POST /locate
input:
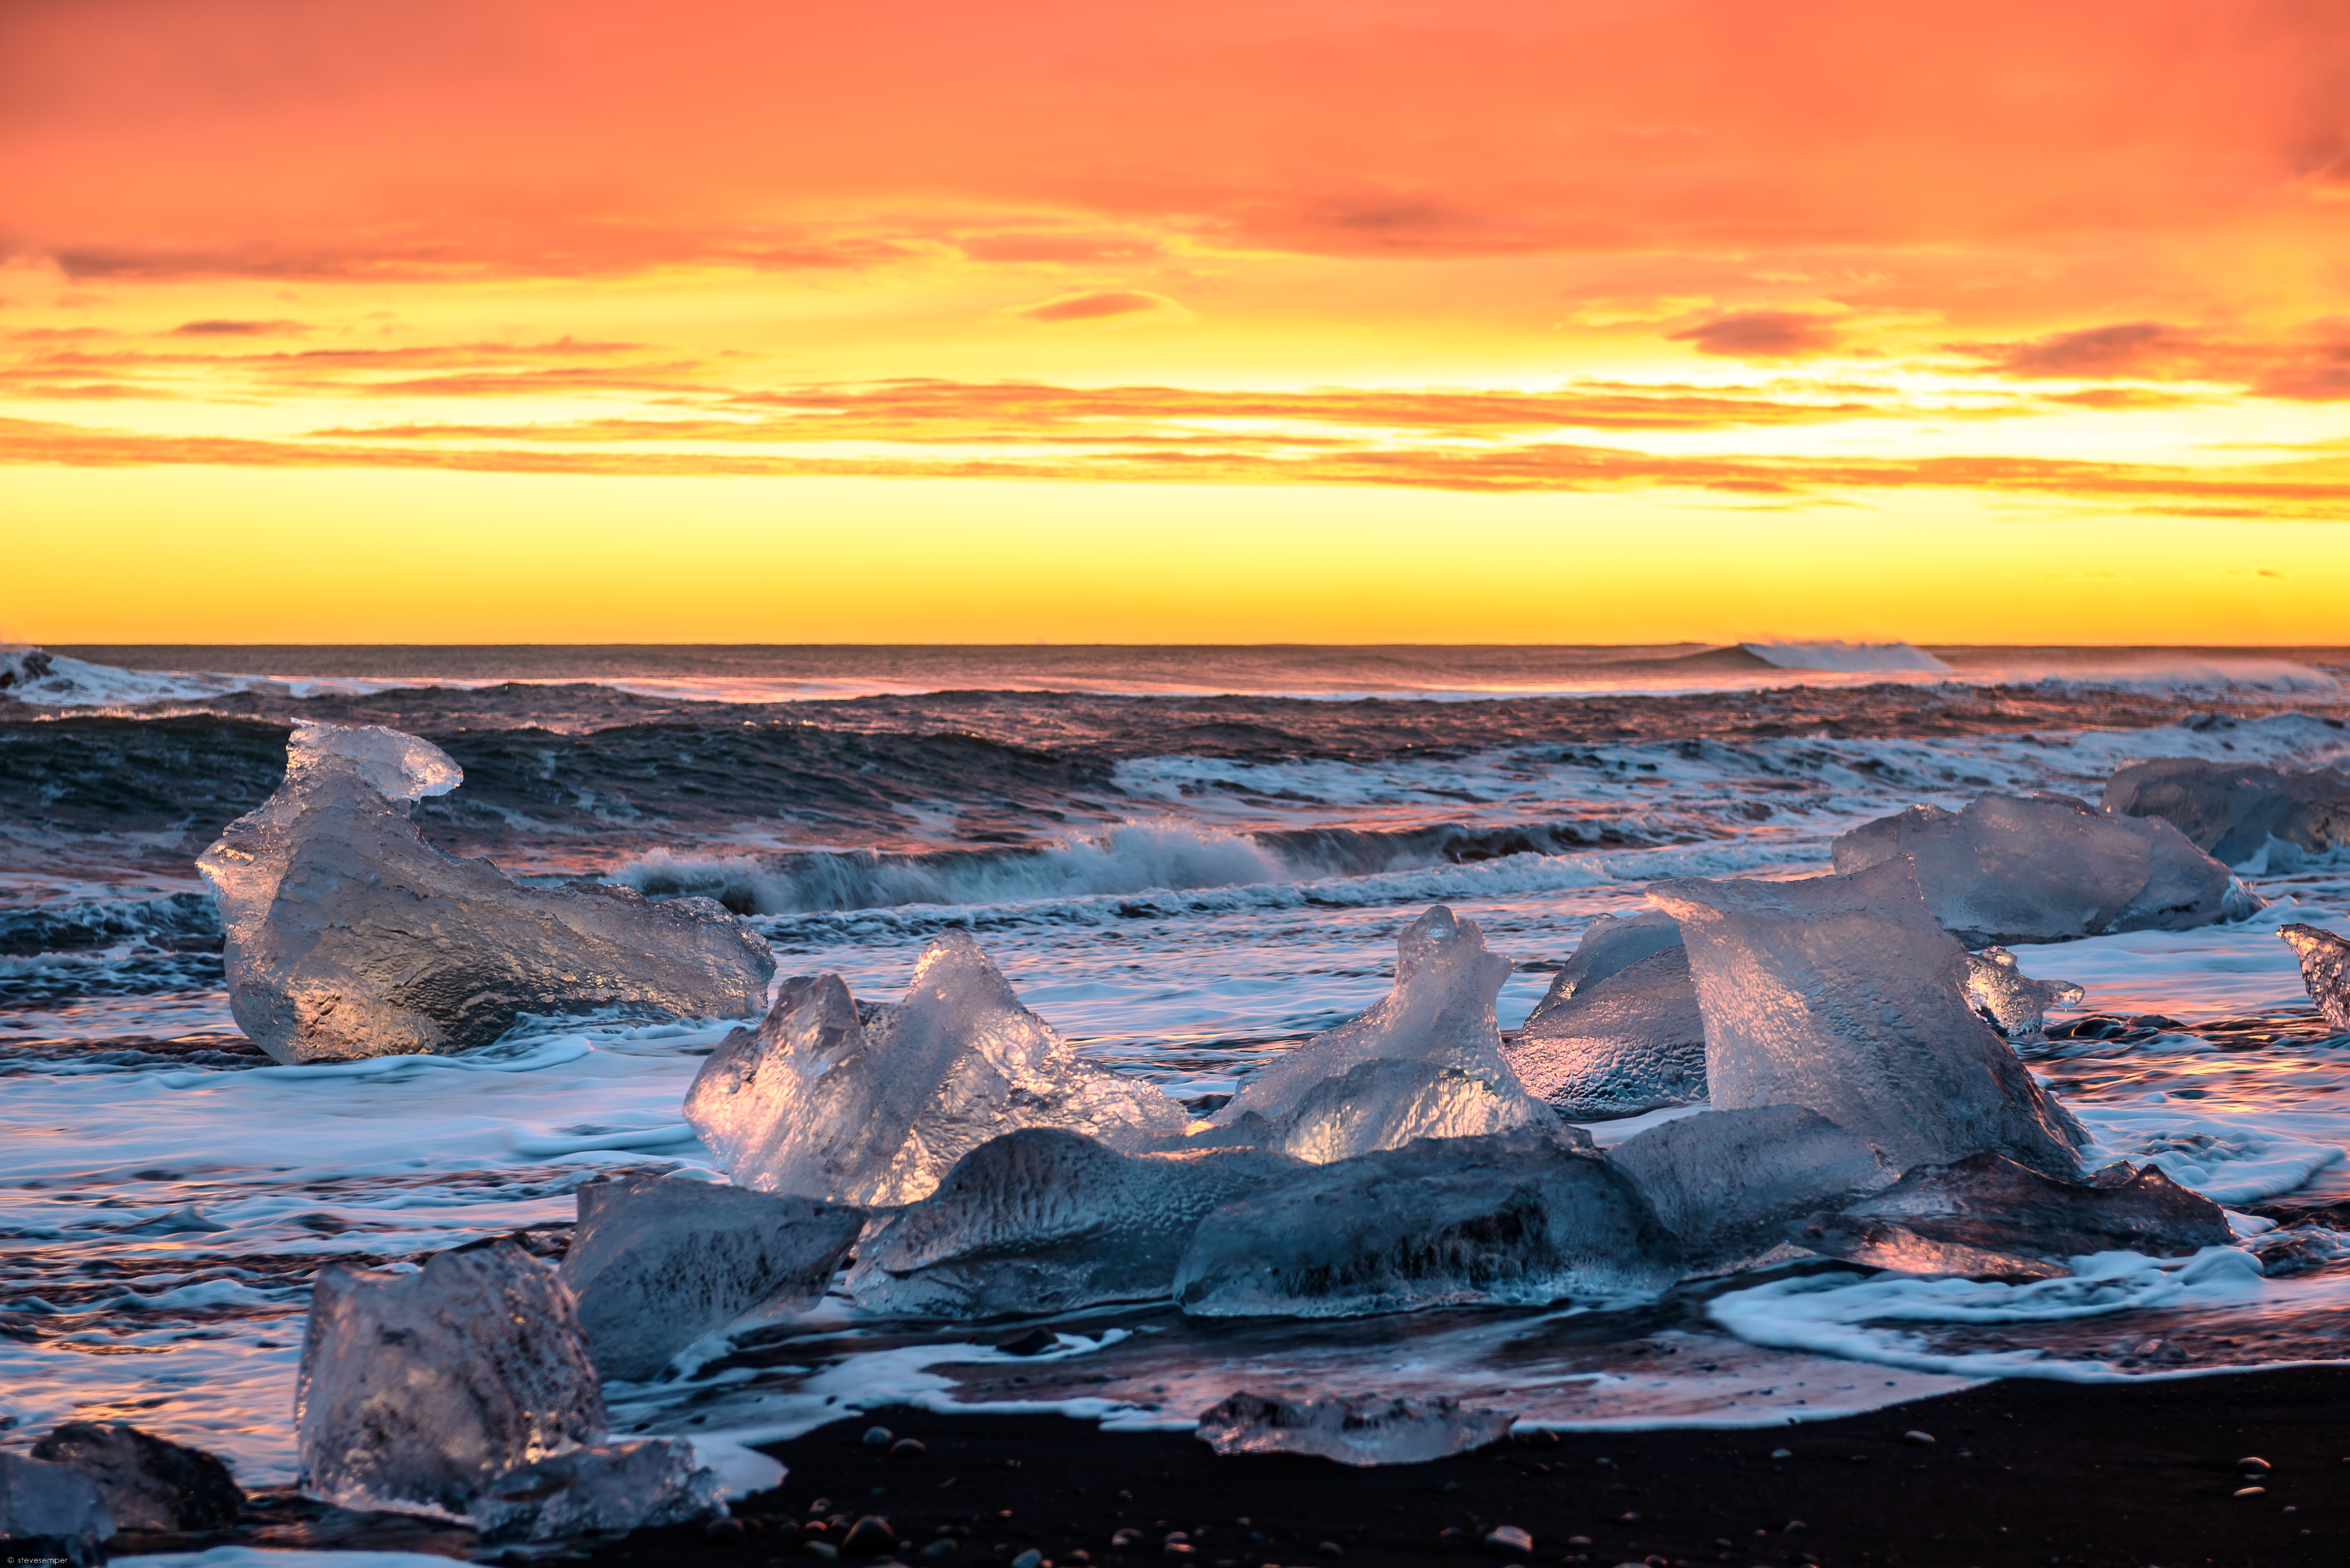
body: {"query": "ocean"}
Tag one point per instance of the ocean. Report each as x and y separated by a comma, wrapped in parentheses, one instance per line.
(1188, 860)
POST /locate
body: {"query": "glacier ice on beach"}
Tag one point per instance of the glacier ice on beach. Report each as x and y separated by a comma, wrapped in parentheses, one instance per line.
(2011, 1001)
(1521, 1218)
(1610, 944)
(2237, 811)
(1725, 1183)
(1631, 1041)
(1045, 1220)
(1352, 1431)
(658, 1261)
(1841, 994)
(51, 1512)
(2324, 969)
(2047, 868)
(348, 936)
(146, 1481)
(643, 1484)
(819, 1101)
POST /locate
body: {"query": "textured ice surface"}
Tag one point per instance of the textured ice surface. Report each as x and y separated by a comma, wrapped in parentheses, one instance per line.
(643, 1484)
(417, 1390)
(1043, 1221)
(1519, 1217)
(1841, 994)
(818, 1102)
(147, 1482)
(1988, 1216)
(1425, 1061)
(1351, 1431)
(2011, 1001)
(49, 1511)
(1726, 1182)
(2235, 812)
(1631, 1040)
(2324, 969)
(2045, 868)
(1610, 944)
(659, 1261)
(348, 935)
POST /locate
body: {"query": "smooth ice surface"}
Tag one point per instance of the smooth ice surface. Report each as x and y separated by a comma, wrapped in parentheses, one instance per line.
(1629, 1042)
(645, 1484)
(2235, 811)
(1425, 1062)
(146, 1481)
(2043, 867)
(2324, 969)
(1725, 1183)
(348, 936)
(658, 1261)
(1353, 1432)
(417, 1390)
(1045, 1220)
(818, 1102)
(1518, 1218)
(1841, 993)
(1610, 944)
(58, 1506)
(2011, 1001)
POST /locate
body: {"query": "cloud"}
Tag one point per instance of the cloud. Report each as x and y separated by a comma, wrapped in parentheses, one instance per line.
(1760, 335)
(223, 327)
(2131, 347)
(1098, 305)
(1049, 245)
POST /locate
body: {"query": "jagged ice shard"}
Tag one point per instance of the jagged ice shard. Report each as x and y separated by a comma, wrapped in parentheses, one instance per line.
(2241, 813)
(1843, 995)
(2324, 969)
(820, 1101)
(1351, 1431)
(615, 1487)
(350, 936)
(1425, 1061)
(1726, 1183)
(2048, 867)
(1633, 1041)
(2011, 1001)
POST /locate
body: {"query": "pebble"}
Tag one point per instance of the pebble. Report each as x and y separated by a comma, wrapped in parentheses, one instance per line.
(871, 1536)
(1578, 1540)
(1031, 1558)
(2254, 1463)
(1129, 1536)
(1180, 1550)
(727, 1529)
(1331, 1548)
(2252, 1491)
(877, 1436)
(823, 1549)
(1795, 1526)
(1509, 1538)
(1782, 1453)
(1921, 1438)
(1031, 1342)
(1453, 1538)
(941, 1549)
(908, 1449)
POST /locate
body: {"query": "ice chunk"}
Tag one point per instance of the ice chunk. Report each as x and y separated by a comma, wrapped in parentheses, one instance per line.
(1351, 1431)
(1726, 1183)
(1840, 993)
(1610, 944)
(2304, 1248)
(1519, 1219)
(2324, 969)
(348, 935)
(1045, 1220)
(2047, 868)
(659, 1261)
(819, 1102)
(417, 1390)
(2237, 812)
(2011, 1001)
(1629, 1042)
(21, 666)
(1985, 1215)
(645, 1484)
(147, 1482)
(1437, 1025)
(51, 1513)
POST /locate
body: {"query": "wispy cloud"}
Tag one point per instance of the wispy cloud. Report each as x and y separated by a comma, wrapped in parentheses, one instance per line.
(1098, 305)
(1761, 335)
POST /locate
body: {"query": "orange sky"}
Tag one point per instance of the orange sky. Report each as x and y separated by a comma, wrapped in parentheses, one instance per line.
(1576, 321)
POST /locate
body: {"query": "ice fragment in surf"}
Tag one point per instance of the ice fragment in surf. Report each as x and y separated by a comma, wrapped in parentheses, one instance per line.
(2011, 1001)
(51, 1512)
(2241, 813)
(1631, 1042)
(1726, 1183)
(2048, 867)
(20, 667)
(1610, 944)
(645, 1484)
(2301, 1249)
(1352, 1431)
(1515, 1219)
(659, 1261)
(348, 936)
(146, 1481)
(418, 1390)
(817, 1101)
(1840, 993)
(1985, 1215)
(1425, 1061)
(1044, 1221)
(2324, 969)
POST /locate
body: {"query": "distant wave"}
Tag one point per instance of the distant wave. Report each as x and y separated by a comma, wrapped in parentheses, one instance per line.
(1848, 658)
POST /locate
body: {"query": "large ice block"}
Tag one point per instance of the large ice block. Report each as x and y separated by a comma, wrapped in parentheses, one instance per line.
(147, 1482)
(2324, 969)
(605, 1488)
(1632, 1041)
(819, 1102)
(2011, 1001)
(1610, 944)
(2048, 867)
(659, 1261)
(1726, 1183)
(1352, 1431)
(51, 1512)
(1425, 1061)
(1841, 994)
(416, 1391)
(1045, 1220)
(2239, 812)
(1518, 1219)
(348, 935)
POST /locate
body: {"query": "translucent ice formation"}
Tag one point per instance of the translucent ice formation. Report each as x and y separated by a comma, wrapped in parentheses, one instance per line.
(819, 1102)
(145, 1481)
(1515, 1219)
(1841, 993)
(644, 1484)
(1423, 1062)
(1045, 1220)
(418, 1390)
(1610, 944)
(659, 1261)
(2047, 868)
(2324, 969)
(1633, 1041)
(51, 1513)
(348, 935)
(1726, 1183)
(2241, 811)
(1988, 1216)
(1353, 1432)
(2011, 1001)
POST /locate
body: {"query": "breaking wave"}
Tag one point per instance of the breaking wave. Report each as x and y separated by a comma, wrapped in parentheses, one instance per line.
(1848, 658)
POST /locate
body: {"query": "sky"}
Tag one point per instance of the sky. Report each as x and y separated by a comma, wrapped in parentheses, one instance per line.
(1381, 320)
